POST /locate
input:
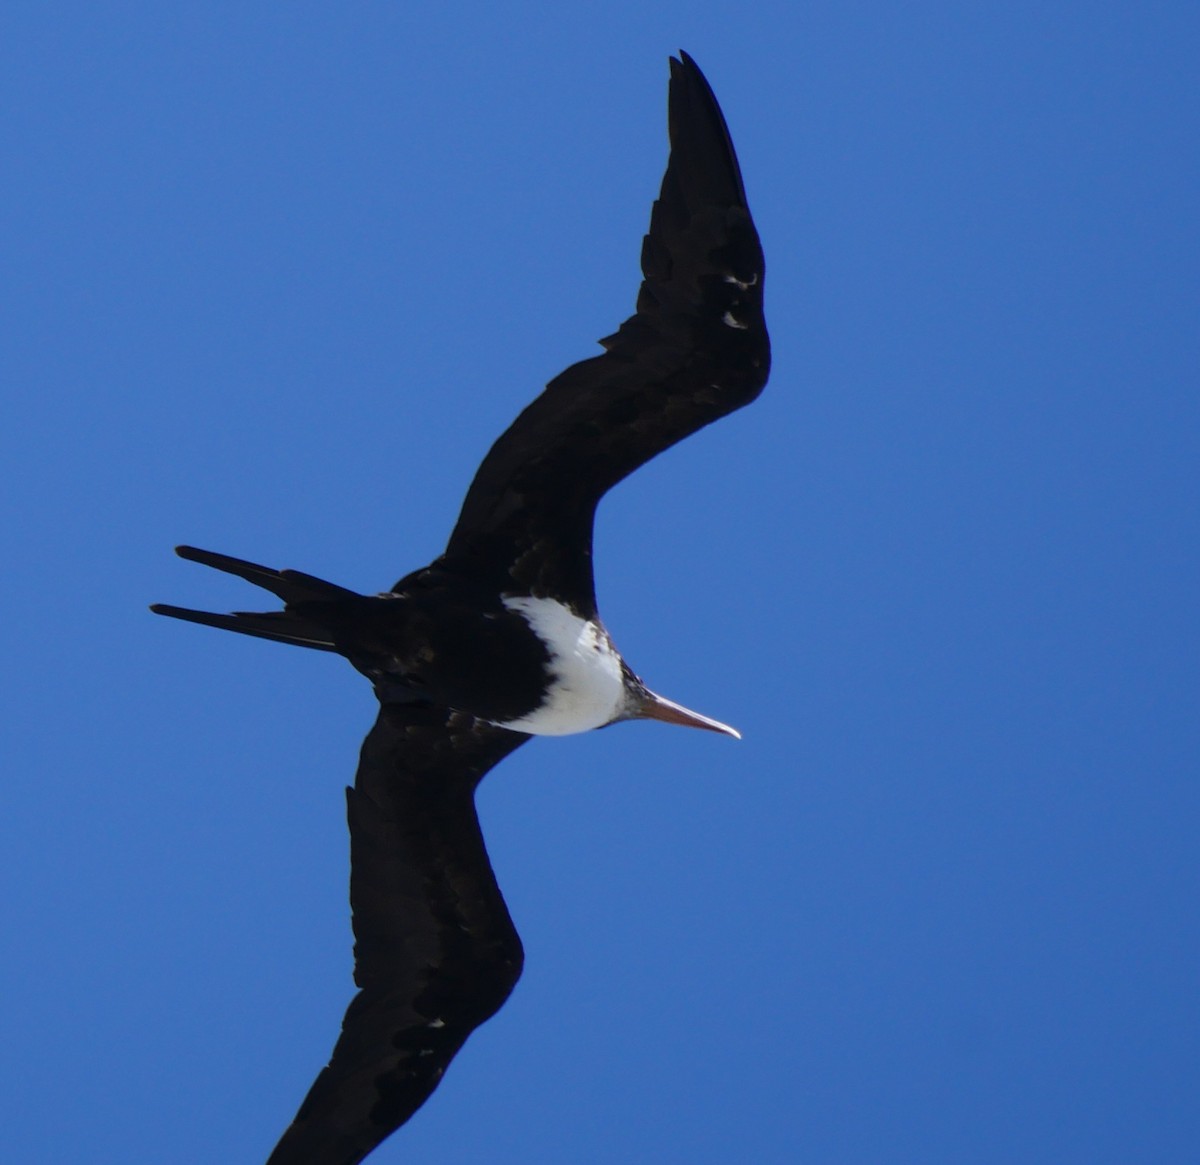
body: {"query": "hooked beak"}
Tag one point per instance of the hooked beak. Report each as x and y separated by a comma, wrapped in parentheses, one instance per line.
(655, 707)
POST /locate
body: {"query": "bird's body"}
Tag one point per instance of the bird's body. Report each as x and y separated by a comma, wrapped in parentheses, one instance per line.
(500, 639)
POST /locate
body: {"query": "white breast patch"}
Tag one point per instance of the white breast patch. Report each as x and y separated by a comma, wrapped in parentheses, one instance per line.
(587, 688)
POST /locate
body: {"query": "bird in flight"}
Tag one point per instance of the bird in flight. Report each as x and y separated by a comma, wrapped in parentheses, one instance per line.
(499, 639)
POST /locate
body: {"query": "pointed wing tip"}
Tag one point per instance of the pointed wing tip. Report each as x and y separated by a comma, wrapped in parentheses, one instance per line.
(684, 69)
(686, 63)
(700, 134)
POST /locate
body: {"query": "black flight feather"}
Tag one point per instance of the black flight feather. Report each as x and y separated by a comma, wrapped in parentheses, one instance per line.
(435, 950)
(696, 350)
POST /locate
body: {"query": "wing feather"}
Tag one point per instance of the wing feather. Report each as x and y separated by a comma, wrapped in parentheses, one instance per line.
(436, 953)
(696, 349)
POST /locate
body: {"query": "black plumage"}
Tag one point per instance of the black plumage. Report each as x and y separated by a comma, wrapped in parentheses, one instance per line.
(695, 350)
(453, 658)
(435, 952)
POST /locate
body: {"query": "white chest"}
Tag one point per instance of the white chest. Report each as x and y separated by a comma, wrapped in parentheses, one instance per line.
(587, 687)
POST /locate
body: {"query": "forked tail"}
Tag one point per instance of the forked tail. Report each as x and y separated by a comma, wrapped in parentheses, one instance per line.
(292, 586)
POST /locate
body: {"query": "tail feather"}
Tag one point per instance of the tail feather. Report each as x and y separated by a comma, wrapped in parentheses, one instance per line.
(281, 626)
(293, 587)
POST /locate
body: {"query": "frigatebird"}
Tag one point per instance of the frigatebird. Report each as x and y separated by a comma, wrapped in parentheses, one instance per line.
(499, 639)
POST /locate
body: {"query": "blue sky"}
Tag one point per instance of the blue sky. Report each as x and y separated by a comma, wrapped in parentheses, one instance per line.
(275, 277)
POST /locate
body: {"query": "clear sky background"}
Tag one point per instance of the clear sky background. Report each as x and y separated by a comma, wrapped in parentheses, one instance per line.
(275, 275)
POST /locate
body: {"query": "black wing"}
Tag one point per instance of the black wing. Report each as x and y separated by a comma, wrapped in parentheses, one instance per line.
(696, 349)
(436, 953)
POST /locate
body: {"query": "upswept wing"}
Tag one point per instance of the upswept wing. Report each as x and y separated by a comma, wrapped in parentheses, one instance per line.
(436, 953)
(696, 349)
